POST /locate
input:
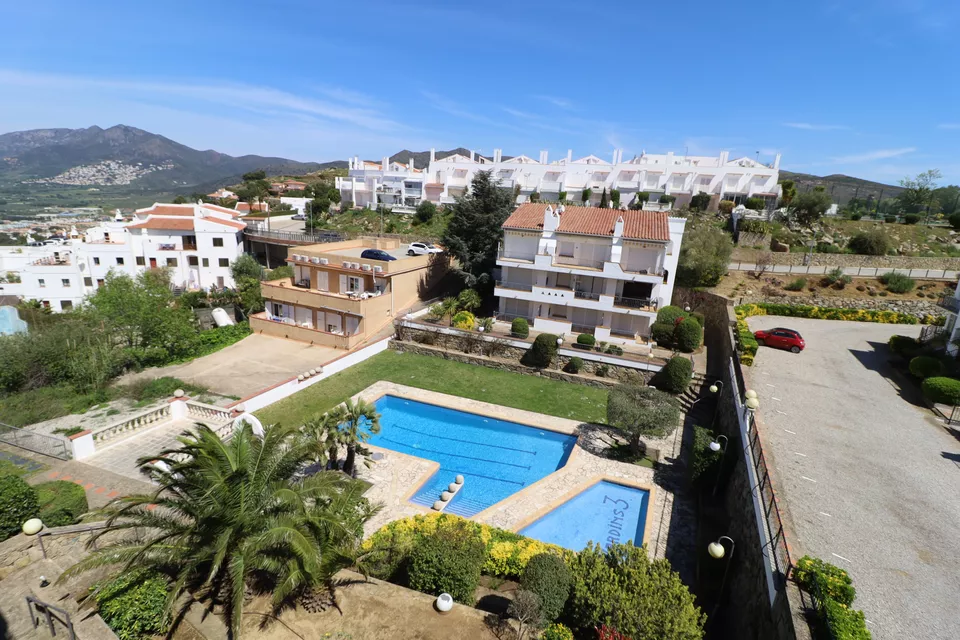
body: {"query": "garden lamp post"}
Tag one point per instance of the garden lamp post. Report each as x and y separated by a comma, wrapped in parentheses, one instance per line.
(559, 342)
(716, 446)
(718, 551)
(715, 388)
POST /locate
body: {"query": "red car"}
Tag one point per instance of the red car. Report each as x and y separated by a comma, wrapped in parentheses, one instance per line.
(781, 338)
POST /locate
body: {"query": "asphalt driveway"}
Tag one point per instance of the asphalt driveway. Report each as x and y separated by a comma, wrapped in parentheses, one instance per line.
(870, 479)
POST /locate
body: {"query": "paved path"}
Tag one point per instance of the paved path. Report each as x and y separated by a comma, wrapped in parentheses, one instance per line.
(254, 363)
(121, 458)
(869, 478)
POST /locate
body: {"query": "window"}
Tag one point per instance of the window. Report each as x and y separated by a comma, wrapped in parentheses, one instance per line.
(141, 261)
(171, 262)
(218, 242)
(66, 305)
(120, 261)
(96, 261)
(206, 262)
(88, 282)
(224, 262)
(65, 282)
(42, 283)
(99, 282)
(354, 284)
(192, 261)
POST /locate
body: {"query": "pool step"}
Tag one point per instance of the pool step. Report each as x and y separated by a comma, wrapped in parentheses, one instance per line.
(450, 491)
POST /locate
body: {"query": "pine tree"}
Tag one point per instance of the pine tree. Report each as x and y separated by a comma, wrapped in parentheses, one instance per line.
(603, 199)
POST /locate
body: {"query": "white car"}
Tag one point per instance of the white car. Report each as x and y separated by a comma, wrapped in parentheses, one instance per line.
(422, 249)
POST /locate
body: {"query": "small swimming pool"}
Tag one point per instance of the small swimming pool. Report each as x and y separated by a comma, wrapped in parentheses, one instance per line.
(605, 513)
(496, 458)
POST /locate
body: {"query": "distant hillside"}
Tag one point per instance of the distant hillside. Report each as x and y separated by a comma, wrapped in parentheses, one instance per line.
(123, 155)
(422, 158)
(842, 188)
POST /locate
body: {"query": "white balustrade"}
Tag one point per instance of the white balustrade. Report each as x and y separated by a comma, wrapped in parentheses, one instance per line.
(207, 412)
(135, 423)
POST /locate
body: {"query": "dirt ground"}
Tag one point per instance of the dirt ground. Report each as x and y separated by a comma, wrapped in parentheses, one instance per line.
(373, 610)
(738, 283)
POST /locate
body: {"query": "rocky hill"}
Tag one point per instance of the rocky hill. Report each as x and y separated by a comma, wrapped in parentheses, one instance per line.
(842, 188)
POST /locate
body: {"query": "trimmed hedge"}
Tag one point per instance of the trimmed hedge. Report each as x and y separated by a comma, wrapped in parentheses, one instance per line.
(520, 327)
(904, 346)
(835, 592)
(586, 340)
(547, 576)
(61, 502)
(675, 376)
(18, 503)
(671, 314)
(574, 365)
(448, 561)
(926, 367)
(688, 335)
(662, 333)
(463, 320)
(703, 461)
(941, 390)
(542, 352)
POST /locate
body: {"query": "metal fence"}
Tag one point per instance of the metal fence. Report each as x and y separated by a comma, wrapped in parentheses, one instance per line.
(857, 272)
(318, 237)
(36, 442)
(779, 552)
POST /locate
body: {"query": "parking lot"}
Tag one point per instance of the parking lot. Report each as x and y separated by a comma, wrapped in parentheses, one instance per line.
(869, 478)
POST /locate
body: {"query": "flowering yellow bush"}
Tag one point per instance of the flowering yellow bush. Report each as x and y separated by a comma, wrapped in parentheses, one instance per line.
(507, 553)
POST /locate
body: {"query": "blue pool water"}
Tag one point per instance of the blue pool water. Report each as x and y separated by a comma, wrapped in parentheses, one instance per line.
(496, 458)
(605, 513)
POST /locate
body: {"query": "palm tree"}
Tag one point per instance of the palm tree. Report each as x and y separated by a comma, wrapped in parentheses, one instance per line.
(233, 516)
(324, 436)
(360, 421)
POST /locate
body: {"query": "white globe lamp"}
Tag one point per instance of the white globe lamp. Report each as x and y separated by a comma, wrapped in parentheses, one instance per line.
(750, 393)
(32, 526)
(716, 550)
(753, 404)
(444, 602)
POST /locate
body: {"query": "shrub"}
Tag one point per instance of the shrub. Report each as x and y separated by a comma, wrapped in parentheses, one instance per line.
(703, 461)
(911, 218)
(662, 333)
(726, 207)
(541, 354)
(18, 503)
(833, 582)
(856, 216)
(615, 350)
(520, 328)
(586, 341)
(796, 285)
(574, 365)
(897, 282)
(425, 211)
(955, 220)
(61, 502)
(463, 320)
(890, 219)
(704, 257)
(845, 623)
(870, 243)
(823, 313)
(448, 561)
(688, 335)
(926, 367)
(547, 576)
(835, 276)
(941, 390)
(133, 605)
(671, 314)
(757, 204)
(641, 598)
(556, 631)
(602, 371)
(675, 376)
(753, 226)
(699, 317)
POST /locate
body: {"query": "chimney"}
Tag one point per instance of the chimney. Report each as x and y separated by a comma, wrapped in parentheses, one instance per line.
(385, 163)
(496, 155)
(724, 157)
(776, 162)
(543, 157)
(433, 155)
(569, 156)
(551, 219)
(472, 155)
(411, 164)
(614, 159)
(618, 228)
(669, 160)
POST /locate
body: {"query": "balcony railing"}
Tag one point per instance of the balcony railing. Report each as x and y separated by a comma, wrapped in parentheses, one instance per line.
(502, 255)
(518, 286)
(510, 317)
(189, 246)
(579, 262)
(586, 295)
(583, 328)
(624, 333)
(950, 303)
(634, 303)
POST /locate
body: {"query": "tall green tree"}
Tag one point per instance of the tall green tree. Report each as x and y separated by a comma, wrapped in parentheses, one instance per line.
(228, 517)
(473, 233)
(948, 199)
(640, 411)
(324, 436)
(807, 208)
(360, 421)
(917, 192)
(603, 199)
(704, 256)
(789, 189)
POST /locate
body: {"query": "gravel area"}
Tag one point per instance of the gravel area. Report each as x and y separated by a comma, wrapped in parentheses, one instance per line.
(869, 477)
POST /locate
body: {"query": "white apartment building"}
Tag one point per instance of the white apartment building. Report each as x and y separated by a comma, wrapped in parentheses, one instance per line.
(681, 176)
(196, 243)
(588, 270)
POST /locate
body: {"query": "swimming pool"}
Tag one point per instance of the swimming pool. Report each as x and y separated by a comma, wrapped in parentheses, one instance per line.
(496, 458)
(606, 512)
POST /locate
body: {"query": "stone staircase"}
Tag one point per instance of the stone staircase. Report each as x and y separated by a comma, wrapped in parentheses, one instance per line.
(697, 402)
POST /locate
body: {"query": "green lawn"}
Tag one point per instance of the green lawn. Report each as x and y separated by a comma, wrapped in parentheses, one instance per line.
(532, 393)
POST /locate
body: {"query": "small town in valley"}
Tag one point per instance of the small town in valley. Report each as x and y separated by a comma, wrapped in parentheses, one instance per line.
(643, 370)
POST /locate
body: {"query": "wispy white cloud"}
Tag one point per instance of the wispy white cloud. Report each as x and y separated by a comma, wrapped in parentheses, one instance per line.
(949, 125)
(516, 113)
(809, 126)
(869, 156)
(563, 103)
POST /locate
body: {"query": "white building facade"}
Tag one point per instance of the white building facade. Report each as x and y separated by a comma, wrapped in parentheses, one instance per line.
(588, 270)
(197, 244)
(680, 176)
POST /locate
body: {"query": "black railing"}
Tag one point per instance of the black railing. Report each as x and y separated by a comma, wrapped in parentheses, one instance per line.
(634, 303)
(583, 328)
(950, 303)
(519, 286)
(779, 552)
(931, 331)
(586, 295)
(52, 614)
(293, 236)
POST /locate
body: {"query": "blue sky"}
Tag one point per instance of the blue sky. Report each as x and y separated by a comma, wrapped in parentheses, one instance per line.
(863, 87)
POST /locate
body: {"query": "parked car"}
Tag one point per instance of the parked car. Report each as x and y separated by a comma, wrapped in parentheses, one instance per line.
(298, 216)
(781, 338)
(376, 254)
(422, 249)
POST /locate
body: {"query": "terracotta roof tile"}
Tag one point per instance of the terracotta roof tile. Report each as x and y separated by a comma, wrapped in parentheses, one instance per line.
(229, 223)
(171, 224)
(593, 221)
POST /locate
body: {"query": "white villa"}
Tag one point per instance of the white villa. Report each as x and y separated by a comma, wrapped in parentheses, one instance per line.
(197, 243)
(405, 186)
(588, 270)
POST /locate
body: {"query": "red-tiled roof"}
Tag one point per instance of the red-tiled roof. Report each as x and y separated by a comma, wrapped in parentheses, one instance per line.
(168, 210)
(594, 221)
(228, 223)
(245, 206)
(215, 207)
(171, 224)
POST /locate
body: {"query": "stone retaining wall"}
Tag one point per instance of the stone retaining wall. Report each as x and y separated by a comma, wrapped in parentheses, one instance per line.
(507, 362)
(851, 260)
(917, 308)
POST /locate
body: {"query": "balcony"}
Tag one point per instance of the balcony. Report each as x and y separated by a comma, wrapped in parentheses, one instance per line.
(552, 187)
(516, 286)
(586, 295)
(572, 261)
(641, 304)
(505, 183)
(501, 255)
(950, 303)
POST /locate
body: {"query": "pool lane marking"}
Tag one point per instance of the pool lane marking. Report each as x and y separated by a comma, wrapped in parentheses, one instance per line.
(841, 557)
(454, 455)
(482, 444)
(806, 478)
